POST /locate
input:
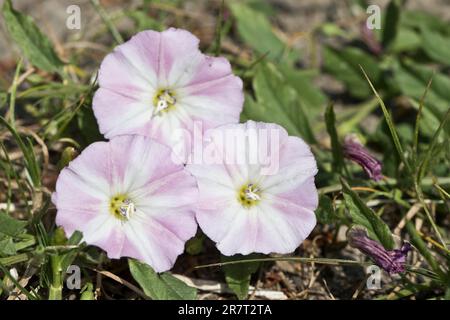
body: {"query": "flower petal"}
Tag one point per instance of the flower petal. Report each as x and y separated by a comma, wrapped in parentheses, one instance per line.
(241, 236)
(132, 69)
(282, 217)
(218, 220)
(204, 88)
(140, 169)
(296, 165)
(117, 114)
(158, 239)
(284, 226)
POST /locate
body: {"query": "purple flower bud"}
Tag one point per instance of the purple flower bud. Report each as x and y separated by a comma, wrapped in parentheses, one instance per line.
(392, 261)
(370, 40)
(356, 152)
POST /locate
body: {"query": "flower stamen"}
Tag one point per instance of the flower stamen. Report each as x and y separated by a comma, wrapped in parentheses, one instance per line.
(163, 101)
(122, 207)
(249, 195)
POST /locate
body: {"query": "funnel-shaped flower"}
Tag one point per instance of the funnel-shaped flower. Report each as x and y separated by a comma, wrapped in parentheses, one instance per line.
(129, 199)
(159, 82)
(256, 189)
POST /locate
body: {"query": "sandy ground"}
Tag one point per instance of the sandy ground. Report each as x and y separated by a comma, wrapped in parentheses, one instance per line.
(293, 16)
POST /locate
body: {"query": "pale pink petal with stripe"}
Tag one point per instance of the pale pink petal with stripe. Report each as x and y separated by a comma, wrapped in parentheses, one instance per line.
(127, 197)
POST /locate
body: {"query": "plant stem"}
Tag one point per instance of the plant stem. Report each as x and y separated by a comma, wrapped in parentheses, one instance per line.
(12, 98)
(390, 181)
(326, 261)
(428, 214)
(417, 241)
(55, 291)
(14, 259)
(102, 13)
(362, 113)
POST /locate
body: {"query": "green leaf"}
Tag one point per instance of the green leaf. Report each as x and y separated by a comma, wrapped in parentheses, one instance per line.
(421, 246)
(420, 19)
(195, 245)
(87, 292)
(391, 22)
(67, 259)
(7, 246)
(412, 81)
(144, 21)
(34, 44)
(407, 40)
(238, 276)
(30, 159)
(366, 217)
(344, 64)
(325, 211)
(302, 80)
(390, 124)
(338, 155)
(256, 31)
(436, 46)
(88, 126)
(277, 102)
(423, 168)
(10, 226)
(163, 286)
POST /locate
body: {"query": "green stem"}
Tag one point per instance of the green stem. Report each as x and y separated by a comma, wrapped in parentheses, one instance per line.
(218, 40)
(417, 241)
(428, 214)
(55, 292)
(363, 111)
(29, 295)
(102, 13)
(419, 114)
(326, 261)
(390, 123)
(14, 259)
(12, 99)
(390, 181)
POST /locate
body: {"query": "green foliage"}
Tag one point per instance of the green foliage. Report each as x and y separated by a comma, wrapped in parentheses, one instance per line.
(364, 216)
(344, 65)
(9, 226)
(336, 148)
(412, 80)
(31, 162)
(278, 102)
(163, 286)
(35, 46)
(238, 275)
(325, 212)
(256, 31)
(436, 46)
(392, 19)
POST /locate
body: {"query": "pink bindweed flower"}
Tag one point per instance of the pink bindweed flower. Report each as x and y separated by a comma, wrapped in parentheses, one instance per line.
(158, 82)
(129, 199)
(245, 207)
